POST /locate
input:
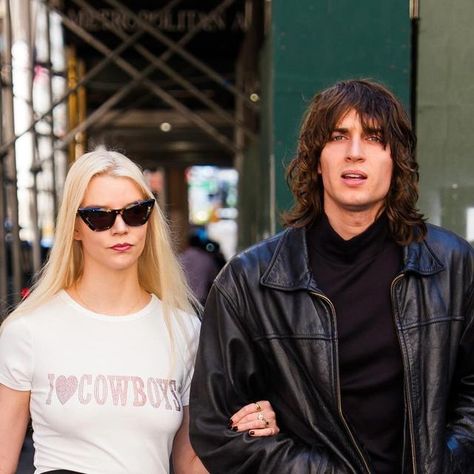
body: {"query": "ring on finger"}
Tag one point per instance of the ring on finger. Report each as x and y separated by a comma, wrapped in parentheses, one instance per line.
(258, 407)
(260, 417)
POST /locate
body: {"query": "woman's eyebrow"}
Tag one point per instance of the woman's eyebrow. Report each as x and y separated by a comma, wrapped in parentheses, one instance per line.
(101, 206)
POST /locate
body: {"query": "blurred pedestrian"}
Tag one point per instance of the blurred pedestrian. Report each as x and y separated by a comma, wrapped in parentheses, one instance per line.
(201, 261)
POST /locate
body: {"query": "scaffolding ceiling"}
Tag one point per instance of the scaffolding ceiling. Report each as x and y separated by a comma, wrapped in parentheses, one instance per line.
(161, 62)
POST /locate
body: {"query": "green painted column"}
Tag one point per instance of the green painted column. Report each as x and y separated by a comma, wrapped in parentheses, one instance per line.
(314, 43)
(445, 99)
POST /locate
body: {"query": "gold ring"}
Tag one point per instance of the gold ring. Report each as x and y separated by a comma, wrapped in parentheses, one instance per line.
(258, 407)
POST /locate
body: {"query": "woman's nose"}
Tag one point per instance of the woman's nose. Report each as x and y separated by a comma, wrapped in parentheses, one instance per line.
(119, 225)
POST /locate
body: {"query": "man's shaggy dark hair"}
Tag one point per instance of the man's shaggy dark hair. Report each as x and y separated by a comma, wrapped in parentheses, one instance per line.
(374, 104)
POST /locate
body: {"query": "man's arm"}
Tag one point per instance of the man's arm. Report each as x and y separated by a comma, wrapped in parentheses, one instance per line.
(460, 431)
(228, 375)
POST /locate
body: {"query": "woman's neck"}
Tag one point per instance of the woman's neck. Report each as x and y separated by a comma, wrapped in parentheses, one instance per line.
(118, 293)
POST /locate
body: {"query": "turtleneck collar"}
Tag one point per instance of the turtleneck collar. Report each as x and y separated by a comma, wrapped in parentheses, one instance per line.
(328, 243)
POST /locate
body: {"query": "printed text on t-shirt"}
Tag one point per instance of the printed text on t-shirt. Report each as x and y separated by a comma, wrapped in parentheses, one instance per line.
(119, 390)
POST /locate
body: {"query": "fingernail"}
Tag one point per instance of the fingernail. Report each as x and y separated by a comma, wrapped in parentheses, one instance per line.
(235, 428)
(251, 433)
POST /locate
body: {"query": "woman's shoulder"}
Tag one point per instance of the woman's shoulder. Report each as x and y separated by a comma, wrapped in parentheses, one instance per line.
(28, 314)
(184, 325)
(190, 321)
(177, 315)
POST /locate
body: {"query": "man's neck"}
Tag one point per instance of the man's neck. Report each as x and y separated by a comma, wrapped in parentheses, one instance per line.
(349, 224)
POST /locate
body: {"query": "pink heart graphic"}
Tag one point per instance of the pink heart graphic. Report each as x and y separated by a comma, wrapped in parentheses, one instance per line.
(66, 387)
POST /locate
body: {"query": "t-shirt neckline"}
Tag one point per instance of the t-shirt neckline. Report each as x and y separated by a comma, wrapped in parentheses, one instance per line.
(147, 309)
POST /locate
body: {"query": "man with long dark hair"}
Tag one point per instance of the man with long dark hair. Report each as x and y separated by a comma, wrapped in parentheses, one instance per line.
(356, 322)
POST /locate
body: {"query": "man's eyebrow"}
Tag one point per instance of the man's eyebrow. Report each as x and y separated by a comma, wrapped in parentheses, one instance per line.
(376, 130)
(373, 130)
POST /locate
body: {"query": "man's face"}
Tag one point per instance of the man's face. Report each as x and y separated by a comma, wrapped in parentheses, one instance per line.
(356, 169)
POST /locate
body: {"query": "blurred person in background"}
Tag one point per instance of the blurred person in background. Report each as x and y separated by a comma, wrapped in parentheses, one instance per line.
(201, 261)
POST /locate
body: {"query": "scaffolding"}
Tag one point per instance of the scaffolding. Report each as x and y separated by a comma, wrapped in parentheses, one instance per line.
(28, 165)
(44, 122)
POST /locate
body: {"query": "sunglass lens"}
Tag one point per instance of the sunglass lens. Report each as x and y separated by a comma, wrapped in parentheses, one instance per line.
(137, 214)
(97, 219)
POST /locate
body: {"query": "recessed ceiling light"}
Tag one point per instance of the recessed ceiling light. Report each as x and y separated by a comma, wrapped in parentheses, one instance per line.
(254, 97)
(165, 127)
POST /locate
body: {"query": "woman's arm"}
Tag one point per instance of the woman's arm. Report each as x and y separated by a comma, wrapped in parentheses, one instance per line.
(257, 418)
(14, 416)
(185, 460)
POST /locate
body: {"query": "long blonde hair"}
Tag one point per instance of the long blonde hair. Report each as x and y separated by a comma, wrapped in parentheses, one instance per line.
(158, 269)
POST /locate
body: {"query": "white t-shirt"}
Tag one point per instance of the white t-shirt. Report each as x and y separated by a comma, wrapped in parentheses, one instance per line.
(106, 396)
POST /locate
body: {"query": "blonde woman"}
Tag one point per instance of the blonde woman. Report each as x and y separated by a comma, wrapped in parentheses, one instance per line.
(101, 352)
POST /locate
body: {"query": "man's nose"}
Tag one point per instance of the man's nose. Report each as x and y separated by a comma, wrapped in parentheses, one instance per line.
(355, 149)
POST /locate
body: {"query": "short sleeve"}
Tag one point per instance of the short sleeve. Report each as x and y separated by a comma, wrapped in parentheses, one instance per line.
(16, 358)
(190, 357)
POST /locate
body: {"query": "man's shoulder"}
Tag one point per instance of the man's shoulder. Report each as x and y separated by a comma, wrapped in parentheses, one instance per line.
(444, 241)
(252, 262)
(260, 253)
(449, 249)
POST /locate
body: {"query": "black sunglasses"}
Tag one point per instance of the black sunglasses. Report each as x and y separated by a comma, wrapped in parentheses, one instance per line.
(99, 219)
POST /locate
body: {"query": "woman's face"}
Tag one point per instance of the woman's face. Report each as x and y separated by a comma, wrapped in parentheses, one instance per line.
(119, 247)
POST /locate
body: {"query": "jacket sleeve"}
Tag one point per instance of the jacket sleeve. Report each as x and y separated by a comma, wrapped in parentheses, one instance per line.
(460, 429)
(227, 376)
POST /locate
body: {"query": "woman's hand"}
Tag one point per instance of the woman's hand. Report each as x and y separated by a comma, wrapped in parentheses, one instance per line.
(257, 418)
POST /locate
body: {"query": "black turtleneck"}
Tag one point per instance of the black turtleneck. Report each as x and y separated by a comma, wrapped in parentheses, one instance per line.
(356, 275)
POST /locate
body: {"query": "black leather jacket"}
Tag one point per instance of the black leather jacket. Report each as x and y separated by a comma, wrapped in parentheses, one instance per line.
(270, 333)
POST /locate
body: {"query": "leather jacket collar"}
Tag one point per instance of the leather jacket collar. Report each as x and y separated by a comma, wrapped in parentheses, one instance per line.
(418, 257)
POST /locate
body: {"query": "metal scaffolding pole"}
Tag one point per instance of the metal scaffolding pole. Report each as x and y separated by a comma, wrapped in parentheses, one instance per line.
(3, 215)
(92, 73)
(183, 53)
(158, 91)
(10, 168)
(35, 165)
(169, 71)
(52, 138)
